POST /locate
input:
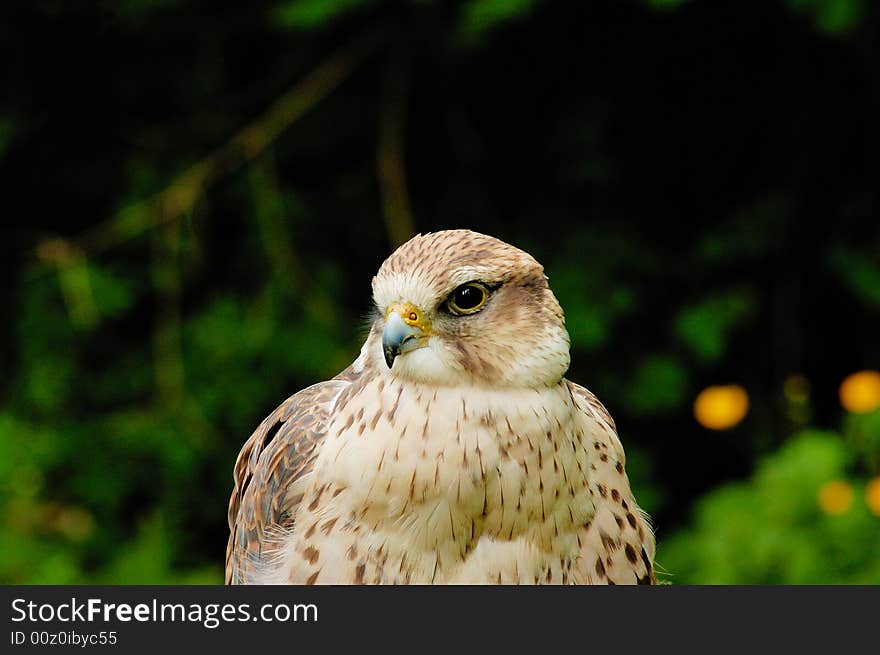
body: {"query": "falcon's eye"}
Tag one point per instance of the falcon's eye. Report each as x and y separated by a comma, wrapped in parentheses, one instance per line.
(467, 299)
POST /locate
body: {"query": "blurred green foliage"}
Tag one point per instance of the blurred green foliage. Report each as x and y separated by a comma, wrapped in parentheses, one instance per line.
(770, 529)
(165, 295)
(831, 15)
(311, 14)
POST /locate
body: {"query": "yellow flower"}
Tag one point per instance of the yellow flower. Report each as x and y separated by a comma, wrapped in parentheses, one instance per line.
(721, 407)
(872, 495)
(835, 497)
(860, 392)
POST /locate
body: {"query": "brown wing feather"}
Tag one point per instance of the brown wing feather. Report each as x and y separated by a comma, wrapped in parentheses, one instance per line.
(617, 546)
(279, 452)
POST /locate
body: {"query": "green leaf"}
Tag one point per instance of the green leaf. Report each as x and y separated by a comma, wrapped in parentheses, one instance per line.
(748, 233)
(593, 301)
(831, 16)
(112, 294)
(836, 16)
(145, 559)
(480, 16)
(860, 272)
(706, 326)
(659, 385)
(311, 14)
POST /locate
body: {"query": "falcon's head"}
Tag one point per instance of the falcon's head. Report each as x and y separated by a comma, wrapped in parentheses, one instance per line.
(458, 307)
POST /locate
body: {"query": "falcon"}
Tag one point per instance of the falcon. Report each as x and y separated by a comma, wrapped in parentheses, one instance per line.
(452, 451)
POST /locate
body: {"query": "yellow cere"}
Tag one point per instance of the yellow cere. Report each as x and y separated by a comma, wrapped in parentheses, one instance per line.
(721, 407)
(860, 392)
(835, 497)
(407, 311)
(872, 496)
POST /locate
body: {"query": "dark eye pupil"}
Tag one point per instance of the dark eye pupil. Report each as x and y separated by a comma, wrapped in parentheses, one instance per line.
(468, 297)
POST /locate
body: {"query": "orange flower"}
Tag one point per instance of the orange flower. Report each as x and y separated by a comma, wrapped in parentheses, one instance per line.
(835, 497)
(721, 407)
(872, 495)
(860, 392)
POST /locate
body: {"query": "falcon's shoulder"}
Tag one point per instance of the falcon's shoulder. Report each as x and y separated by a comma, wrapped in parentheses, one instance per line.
(617, 545)
(590, 404)
(281, 451)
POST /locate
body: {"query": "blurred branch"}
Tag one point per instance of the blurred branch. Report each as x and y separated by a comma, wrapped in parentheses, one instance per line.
(179, 197)
(73, 274)
(390, 157)
(269, 210)
(167, 348)
(168, 360)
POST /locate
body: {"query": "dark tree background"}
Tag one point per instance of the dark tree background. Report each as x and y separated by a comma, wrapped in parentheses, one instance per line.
(198, 193)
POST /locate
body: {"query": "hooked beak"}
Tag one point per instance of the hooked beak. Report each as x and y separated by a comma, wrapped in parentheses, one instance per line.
(404, 331)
